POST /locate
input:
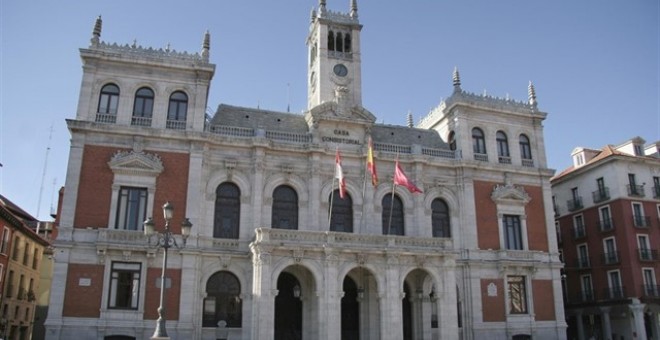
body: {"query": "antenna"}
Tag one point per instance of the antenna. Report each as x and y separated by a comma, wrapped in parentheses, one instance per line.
(288, 97)
(43, 174)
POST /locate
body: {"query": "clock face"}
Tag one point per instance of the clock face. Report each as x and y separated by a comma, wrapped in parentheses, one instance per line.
(340, 70)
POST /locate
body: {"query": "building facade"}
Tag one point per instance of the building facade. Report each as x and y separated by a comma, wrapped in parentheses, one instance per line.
(275, 251)
(607, 208)
(22, 252)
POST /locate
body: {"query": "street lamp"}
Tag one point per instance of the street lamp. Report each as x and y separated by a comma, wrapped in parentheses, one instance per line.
(165, 240)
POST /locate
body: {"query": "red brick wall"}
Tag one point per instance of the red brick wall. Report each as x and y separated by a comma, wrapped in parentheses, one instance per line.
(95, 188)
(487, 228)
(171, 297)
(537, 235)
(80, 301)
(493, 306)
(487, 224)
(544, 300)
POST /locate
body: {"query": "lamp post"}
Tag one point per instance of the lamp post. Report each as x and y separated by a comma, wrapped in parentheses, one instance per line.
(165, 240)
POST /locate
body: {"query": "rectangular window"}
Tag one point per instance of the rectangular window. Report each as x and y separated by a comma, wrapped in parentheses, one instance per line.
(578, 226)
(583, 256)
(513, 232)
(650, 286)
(614, 282)
(15, 248)
(610, 255)
(574, 194)
(9, 292)
(605, 219)
(26, 254)
(656, 187)
(124, 285)
(587, 288)
(4, 246)
(132, 208)
(645, 253)
(517, 294)
(640, 220)
(35, 258)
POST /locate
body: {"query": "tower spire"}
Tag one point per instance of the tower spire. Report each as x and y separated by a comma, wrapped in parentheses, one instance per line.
(206, 45)
(313, 15)
(321, 7)
(456, 80)
(96, 33)
(410, 120)
(531, 93)
(354, 9)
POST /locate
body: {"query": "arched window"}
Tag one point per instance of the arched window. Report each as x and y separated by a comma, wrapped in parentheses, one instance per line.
(452, 141)
(525, 148)
(143, 107)
(178, 108)
(502, 147)
(392, 215)
(109, 99)
(331, 41)
(285, 208)
(223, 301)
(478, 141)
(339, 42)
(342, 213)
(227, 211)
(347, 43)
(440, 218)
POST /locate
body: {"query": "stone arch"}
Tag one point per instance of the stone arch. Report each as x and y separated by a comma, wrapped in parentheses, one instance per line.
(351, 188)
(314, 267)
(294, 181)
(222, 176)
(452, 201)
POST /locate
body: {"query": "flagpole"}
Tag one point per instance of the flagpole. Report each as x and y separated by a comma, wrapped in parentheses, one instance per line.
(364, 188)
(389, 225)
(332, 195)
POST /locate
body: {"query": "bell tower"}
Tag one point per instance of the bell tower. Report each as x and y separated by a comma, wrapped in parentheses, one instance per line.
(334, 65)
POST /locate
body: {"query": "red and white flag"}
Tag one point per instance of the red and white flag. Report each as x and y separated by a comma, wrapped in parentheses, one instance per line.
(339, 175)
(401, 179)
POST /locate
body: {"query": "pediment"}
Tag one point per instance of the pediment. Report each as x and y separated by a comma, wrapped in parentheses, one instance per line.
(333, 111)
(136, 163)
(510, 194)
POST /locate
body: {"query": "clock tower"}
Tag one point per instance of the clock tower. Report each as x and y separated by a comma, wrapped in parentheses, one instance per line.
(334, 71)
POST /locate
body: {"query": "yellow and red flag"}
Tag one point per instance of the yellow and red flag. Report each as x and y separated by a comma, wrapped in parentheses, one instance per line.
(371, 165)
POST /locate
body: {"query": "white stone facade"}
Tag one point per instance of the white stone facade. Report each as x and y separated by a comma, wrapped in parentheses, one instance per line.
(360, 284)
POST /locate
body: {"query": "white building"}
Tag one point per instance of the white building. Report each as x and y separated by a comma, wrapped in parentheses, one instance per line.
(474, 255)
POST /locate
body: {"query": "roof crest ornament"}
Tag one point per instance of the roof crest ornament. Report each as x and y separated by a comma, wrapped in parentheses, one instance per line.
(96, 32)
(354, 9)
(532, 95)
(456, 80)
(206, 45)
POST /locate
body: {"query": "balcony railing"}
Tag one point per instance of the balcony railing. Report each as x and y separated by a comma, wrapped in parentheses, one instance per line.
(574, 204)
(481, 157)
(610, 258)
(175, 124)
(601, 195)
(529, 163)
(579, 231)
(656, 191)
(586, 296)
(615, 293)
(606, 225)
(583, 262)
(109, 118)
(504, 159)
(635, 190)
(646, 254)
(141, 121)
(640, 221)
(652, 291)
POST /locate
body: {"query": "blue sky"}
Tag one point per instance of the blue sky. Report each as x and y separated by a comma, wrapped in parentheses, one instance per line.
(595, 65)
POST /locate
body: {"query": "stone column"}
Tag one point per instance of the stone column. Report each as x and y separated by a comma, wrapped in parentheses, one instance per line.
(257, 193)
(263, 303)
(330, 306)
(655, 324)
(607, 327)
(190, 306)
(316, 222)
(447, 313)
(637, 310)
(390, 302)
(580, 325)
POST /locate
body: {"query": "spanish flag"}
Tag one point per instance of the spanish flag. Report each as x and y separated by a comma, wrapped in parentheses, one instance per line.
(371, 166)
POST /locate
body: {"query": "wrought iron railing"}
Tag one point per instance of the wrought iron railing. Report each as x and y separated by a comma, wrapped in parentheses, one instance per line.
(652, 291)
(504, 159)
(606, 225)
(482, 157)
(574, 203)
(583, 262)
(635, 190)
(640, 221)
(579, 231)
(646, 254)
(615, 293)
(600, 195)
(529, 163)
(610, 258)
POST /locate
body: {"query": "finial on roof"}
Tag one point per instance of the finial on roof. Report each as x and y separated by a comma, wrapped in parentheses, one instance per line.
(456, 80)
(313, 14)
(531, 94)
(206, 45)
(354, 9)
(96, 33)
(410, 119)
(321, 7)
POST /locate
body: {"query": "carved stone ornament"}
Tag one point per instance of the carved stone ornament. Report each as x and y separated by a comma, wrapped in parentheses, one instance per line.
(492, 289)
(225, 259)
(136, 163)
(509, 193)
(298, 255)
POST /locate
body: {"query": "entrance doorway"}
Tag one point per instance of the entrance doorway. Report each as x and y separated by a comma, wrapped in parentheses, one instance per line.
(288, 308)
(350, 311)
